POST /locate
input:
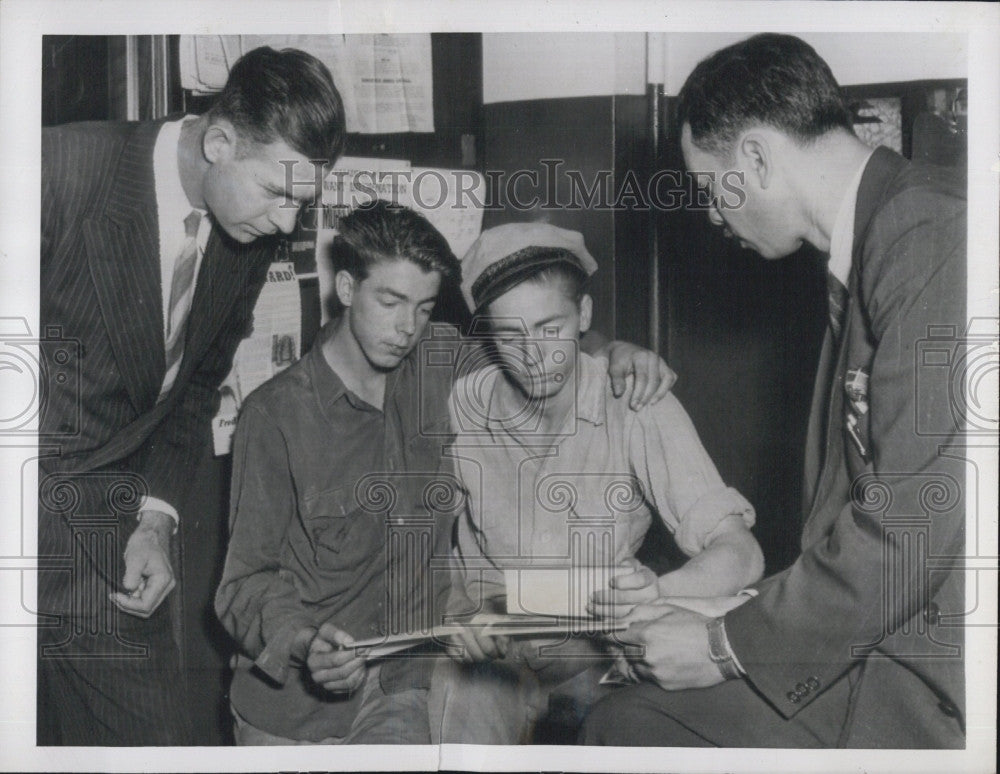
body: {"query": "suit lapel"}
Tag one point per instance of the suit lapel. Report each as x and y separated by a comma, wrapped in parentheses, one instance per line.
(123, 254)
(825, 445)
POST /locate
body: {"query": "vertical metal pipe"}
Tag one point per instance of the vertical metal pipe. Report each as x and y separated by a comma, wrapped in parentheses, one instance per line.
(159, 75)
(132, 78)
(655, 47)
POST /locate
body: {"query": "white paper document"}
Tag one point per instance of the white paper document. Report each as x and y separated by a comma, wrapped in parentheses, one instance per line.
(385, 81)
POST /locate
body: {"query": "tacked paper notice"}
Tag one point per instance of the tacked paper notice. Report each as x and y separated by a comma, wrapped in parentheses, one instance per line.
(271, 347)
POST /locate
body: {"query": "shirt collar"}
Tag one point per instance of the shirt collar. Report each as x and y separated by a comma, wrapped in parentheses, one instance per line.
(170, 194)
(842, 236)
(330, 388)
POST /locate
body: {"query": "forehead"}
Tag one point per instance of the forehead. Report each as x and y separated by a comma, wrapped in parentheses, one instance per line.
(402, 276)
(282, 164)
(533, 301)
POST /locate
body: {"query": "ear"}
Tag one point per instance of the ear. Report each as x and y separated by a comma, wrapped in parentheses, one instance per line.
(755, 153)
(344, 283)
(586, 312)
(220, 141)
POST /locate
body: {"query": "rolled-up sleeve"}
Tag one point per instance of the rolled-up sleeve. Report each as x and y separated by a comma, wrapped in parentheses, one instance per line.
(679, 478)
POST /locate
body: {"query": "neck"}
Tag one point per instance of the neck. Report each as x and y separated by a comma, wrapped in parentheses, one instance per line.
(827, 168)
(191, 162)
(348, 361)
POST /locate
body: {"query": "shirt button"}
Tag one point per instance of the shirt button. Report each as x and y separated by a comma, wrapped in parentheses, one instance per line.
(793, 697)
(813, 682)
(801, 689)
(948, 708)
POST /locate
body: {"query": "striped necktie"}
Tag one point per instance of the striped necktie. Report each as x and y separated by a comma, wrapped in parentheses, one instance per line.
(181, 290)
(838, 303)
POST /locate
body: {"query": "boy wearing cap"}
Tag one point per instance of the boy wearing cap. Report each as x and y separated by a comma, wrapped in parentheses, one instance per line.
(543, 449)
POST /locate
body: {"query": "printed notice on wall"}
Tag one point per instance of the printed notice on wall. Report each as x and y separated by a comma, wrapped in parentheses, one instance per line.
(385, 80)
(271, 347)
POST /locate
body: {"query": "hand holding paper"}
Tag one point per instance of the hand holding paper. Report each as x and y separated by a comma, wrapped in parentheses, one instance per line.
(634, 584)
(333, 663)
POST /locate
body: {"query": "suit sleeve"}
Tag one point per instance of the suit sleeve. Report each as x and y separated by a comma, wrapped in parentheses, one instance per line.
(816, 620)
(257, 602)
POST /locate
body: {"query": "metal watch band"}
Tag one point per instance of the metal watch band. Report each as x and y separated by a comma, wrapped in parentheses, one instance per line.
(719, 651)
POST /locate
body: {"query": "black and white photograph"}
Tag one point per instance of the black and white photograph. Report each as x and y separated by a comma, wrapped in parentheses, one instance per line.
(531, 386)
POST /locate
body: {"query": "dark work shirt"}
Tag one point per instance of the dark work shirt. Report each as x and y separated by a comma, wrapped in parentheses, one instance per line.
(339, 512)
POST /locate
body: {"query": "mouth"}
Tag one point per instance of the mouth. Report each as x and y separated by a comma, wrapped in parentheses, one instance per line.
(396, 349)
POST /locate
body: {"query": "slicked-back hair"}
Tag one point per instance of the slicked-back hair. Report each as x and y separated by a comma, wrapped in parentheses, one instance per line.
(769, 79)
(382, 231)
(284, 95)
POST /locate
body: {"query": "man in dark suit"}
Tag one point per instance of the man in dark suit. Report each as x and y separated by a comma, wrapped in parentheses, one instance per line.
(156, 238)
(859, 643)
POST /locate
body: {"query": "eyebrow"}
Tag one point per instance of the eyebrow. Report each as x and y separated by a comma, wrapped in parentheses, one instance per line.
(403, 296)
(510, 327)
(280, 190)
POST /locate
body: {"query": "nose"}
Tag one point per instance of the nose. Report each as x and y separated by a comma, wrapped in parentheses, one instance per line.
(283, 216)
(407, 322)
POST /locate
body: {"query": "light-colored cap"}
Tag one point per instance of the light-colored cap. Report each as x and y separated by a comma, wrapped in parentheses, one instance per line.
(492, 261)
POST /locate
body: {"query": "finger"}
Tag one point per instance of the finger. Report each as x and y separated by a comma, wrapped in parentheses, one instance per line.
(133, 572)
(639, 388)
(619, 380)
(471, 647)
(158, 583)
(342, 684)
(334, 635)
(334, 658)
(667, 380)
(639, 579)
(339, 674)
(609, 610)
(319, 645)
(142, 605)
(651, 611)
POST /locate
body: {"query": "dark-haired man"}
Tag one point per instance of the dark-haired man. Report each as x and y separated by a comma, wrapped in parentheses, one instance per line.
(307, 567)
(850, 645)
(156, 237)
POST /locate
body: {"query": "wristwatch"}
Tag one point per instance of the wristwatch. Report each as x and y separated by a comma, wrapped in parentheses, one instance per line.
(719, 650)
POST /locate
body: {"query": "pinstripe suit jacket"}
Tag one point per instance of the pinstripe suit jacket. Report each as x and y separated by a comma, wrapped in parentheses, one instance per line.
(101, 295)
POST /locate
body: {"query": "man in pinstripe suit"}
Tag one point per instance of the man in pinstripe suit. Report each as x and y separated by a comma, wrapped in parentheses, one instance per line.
(156, 238)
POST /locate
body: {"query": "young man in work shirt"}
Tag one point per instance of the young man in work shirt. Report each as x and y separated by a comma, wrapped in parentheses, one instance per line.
(561, 477)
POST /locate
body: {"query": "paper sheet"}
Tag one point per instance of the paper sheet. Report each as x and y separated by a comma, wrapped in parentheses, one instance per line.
(271, 347)
(505, 625)
(563, 591)
(452, 200)
(385, 80)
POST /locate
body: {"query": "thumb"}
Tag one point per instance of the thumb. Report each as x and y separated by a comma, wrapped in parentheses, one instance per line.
(133, 572)
(635, 580)
(339, 637)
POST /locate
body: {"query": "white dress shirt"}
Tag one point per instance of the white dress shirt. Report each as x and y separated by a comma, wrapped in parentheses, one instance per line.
(172, 207)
